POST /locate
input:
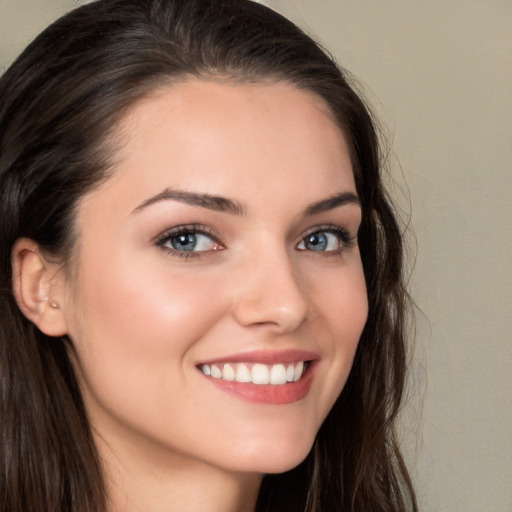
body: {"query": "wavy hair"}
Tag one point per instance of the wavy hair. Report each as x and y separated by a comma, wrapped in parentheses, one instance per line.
(60, 103)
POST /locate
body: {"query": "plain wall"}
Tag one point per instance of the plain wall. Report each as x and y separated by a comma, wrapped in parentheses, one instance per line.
(439, 74)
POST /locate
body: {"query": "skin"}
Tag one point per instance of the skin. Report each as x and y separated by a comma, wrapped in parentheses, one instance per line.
(141, 316)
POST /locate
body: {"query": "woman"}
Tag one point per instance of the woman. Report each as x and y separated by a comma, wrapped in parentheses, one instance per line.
(202, 297)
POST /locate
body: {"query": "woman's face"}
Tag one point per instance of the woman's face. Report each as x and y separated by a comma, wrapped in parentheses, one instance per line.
(219, 259)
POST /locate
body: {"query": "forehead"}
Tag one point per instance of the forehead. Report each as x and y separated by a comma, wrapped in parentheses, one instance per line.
(248, 141)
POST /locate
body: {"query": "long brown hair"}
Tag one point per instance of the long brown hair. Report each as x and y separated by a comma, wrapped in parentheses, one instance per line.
(60, 102)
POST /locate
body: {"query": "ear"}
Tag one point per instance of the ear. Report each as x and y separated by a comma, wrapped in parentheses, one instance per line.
(38, 288)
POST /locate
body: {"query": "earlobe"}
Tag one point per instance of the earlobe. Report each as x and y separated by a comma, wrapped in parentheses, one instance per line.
(38, 288)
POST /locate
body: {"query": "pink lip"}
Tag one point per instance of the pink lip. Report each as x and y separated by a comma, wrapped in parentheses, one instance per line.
(266, 357)
(268, 394)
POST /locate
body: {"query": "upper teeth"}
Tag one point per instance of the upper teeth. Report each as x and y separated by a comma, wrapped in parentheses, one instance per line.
(276, 374)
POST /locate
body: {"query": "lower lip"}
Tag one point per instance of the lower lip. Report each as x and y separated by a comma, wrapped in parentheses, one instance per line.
(268, 393)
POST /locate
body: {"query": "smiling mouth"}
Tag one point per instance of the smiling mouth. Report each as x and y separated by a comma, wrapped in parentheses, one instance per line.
(256, 373)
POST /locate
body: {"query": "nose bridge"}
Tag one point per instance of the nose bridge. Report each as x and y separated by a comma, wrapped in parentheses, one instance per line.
(270, 291)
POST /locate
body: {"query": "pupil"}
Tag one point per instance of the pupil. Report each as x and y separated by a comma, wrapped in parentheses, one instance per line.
(317, 242)
(184, 242)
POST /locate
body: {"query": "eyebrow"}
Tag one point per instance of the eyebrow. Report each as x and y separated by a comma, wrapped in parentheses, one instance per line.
(223, 204)
(217, 203)
(335, 201)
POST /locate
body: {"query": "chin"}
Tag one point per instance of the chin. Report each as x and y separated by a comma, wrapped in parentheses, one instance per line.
(274, 455)
(284, 465)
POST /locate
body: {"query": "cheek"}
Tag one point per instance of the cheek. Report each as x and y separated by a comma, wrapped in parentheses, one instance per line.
(343, 309)
(343, 302)
(137, 322)
(351, 303)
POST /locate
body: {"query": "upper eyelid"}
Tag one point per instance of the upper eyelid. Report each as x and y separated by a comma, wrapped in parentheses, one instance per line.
(332, 228)
(185, 228)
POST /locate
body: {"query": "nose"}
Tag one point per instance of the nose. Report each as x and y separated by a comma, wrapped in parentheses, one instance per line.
(269, 293)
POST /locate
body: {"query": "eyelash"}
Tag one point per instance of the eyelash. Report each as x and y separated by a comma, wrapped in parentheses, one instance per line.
(189, 229)
(346, 240)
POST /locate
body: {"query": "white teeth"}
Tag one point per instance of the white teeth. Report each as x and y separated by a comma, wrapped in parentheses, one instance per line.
(228, 373)
(290, 373)
(260, 374)
(299, 368)
(276, 374)
(243, 374)
(216, 372)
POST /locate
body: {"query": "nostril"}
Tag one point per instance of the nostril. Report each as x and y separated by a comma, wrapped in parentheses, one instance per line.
(261, 314)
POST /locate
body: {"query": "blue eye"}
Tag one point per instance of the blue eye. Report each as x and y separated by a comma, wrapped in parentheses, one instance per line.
(327, 240)
(184, 242)
(188, 240)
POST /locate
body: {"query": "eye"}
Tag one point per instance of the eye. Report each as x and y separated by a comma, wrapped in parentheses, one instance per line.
(332, 239)
(184, 240)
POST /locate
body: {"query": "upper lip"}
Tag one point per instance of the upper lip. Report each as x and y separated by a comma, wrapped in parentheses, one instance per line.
(266, 357)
